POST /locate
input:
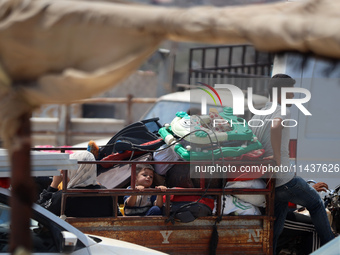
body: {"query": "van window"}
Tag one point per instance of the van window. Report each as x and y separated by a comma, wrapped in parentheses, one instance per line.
(166, 110)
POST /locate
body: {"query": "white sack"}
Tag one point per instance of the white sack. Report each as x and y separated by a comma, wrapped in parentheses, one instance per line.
(257, 200)
(239, 207)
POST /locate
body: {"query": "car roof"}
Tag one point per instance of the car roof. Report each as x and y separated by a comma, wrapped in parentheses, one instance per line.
(42, 163)
(196, 95)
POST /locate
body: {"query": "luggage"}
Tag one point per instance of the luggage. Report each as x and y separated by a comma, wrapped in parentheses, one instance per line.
(119, 176)
(133, 137)
(187, 208)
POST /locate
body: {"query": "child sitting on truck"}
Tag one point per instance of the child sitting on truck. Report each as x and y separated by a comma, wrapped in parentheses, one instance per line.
(144, 205)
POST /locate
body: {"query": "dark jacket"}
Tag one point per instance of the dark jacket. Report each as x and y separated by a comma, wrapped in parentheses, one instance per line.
(87, 206)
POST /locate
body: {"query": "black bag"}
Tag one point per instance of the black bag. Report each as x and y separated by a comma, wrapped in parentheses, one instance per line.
(131, 137)
(189, 211)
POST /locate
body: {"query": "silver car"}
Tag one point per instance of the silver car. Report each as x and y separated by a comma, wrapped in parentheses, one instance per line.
(52, 235)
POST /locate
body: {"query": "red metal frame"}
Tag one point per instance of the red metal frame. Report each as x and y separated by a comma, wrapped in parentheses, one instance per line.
(115, 193)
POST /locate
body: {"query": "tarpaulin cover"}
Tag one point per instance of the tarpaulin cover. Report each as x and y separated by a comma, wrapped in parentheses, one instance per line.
(61, 51)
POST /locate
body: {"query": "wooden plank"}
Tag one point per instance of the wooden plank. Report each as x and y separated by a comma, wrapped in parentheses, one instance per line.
(249, 235)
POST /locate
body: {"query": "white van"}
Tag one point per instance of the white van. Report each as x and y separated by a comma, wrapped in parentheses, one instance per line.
(166, 106)
(316, 139)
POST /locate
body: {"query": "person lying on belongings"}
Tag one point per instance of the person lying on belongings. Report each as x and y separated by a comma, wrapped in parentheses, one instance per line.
(85, 177)
(144, 205)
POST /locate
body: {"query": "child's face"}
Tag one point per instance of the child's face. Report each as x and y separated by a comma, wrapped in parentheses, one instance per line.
(145, 178)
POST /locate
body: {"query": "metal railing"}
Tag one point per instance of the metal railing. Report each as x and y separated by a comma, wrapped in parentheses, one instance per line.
(64, 127)
(108, 225)
(229, 63)
(115, 192)
(129, 100)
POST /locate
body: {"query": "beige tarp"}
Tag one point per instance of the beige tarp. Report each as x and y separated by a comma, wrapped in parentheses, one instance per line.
(58, 51)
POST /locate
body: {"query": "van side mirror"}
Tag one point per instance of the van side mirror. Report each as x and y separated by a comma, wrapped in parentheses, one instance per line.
(68, 242)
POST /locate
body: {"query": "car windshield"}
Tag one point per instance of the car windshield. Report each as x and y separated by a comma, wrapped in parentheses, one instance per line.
(166, 110)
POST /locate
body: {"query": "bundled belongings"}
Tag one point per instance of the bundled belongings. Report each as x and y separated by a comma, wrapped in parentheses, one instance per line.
(187, 208)
(257, 200)
(235, 206)
(164, 153)
(133, 140)
(212, 136)
(244, 204)
(119, 175)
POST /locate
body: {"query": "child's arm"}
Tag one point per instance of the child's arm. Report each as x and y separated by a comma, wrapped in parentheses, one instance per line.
(159, 200)
(131, 200)
(56, 181)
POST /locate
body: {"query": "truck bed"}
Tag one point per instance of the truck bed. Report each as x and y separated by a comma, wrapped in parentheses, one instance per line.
(242, 234)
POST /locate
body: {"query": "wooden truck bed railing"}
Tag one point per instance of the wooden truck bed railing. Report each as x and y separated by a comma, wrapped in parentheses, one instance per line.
(245, 234)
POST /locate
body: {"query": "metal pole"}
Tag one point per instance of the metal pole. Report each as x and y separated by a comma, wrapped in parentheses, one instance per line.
(63, 196)
(62, 123)
(68, 138)
(129, 109)
(23, 188)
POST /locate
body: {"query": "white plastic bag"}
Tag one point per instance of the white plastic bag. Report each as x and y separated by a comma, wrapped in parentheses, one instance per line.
(257, 200)
(239, 207)
(162, 154)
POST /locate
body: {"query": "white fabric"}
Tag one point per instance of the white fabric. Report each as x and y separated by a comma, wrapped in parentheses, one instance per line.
(263, 134)
(60, 51)
(162, 154)
(239, 207)
(86, 174)
(257, 200)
